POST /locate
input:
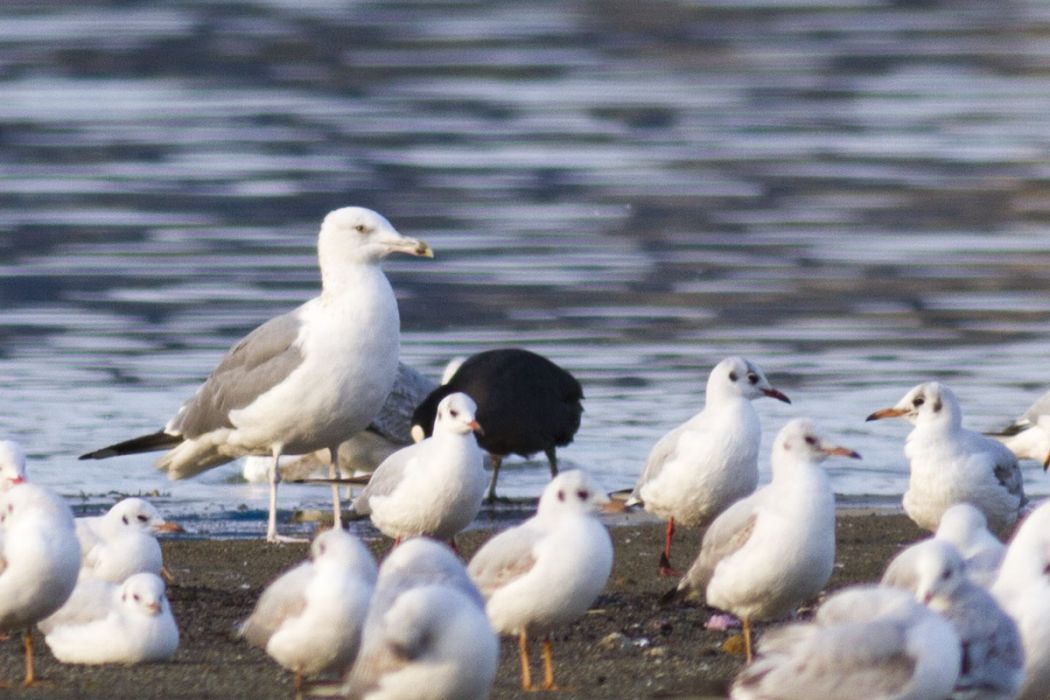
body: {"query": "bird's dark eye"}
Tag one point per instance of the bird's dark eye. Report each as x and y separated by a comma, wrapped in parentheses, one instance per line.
(752, 377)
(136, 596)
(946, 574)
(455, 413)
(124, 519)
(561, 495)
(918, 401)
(142, 518)
(810, 440)
(732, 376)
(360, 228)
(583, 494)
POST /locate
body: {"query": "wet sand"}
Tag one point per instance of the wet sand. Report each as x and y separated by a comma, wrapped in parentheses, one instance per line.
(626, 647)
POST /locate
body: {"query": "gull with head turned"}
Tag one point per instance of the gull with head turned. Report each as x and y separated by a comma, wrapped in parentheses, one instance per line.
(950, 464)
(303, 381)
(700, 468)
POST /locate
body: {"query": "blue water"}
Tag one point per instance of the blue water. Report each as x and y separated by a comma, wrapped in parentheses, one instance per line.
(852, 193)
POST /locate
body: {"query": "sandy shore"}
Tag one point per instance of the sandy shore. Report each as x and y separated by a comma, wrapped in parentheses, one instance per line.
(626, 647)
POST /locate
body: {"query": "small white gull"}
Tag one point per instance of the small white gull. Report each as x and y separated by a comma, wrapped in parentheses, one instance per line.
(992, 654)
(966, 527)
(12, 464)
(303, 381)
(526, 403)
(39, 561)
(1023, 589)
(434, 487)
(135, 625)
(310, 618)
(864, 642)
(123, 541)
(426, 634)
(950, 464)
(697, 470)
(775, 549)
(547, 571)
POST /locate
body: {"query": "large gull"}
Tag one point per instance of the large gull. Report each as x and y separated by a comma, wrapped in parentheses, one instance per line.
(697, 470)
(950, 464)
(303, 381)
(865, 642)
(775, 549)
(547, 571)
(1028, 437)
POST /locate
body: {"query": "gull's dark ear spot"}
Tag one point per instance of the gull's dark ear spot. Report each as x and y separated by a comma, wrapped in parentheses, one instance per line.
(561, 495)
(732, 376)
(937, 406)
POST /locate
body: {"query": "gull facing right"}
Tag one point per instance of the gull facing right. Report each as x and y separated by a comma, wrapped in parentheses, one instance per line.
(700, 468)
(950, 464)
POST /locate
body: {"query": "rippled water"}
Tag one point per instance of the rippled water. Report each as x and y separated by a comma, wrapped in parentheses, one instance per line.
(853, 193)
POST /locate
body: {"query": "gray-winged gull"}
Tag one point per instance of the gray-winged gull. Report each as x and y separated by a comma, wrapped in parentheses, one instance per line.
(950, 464)
(775, 549)
(306, 380)
(700, 468)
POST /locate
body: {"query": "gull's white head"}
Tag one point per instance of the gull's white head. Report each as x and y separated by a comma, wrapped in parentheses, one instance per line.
(737, 377)
(961, 522)
(457, 414)
(138, 514)
(928, 404)
(359, 235)
(28, 500)
(798, 442)
(421, 561)
(12, 464)
(931, 569)
(143, 593)
(571, 493)
(343, 549)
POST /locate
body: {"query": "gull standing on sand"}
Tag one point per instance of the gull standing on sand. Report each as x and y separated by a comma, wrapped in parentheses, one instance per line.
(775, 549)
(434, 487)
(966, 527)
(310, 618)
(1023, 589)
(526, 403)
(426, 636)
(123, 541)
(864, 642)
(303, 381)
(697, 470)
(547, 571)
(12, 464)
(950, 464)
(992, 654)
(1028, 437)
(39, 560)
(133, 625)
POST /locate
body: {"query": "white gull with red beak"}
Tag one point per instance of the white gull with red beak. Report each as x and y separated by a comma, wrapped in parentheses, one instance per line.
(950, 464)
(12, 464)
(433, 487)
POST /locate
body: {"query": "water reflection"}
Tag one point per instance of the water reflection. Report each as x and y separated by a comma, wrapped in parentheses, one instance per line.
(852, 193)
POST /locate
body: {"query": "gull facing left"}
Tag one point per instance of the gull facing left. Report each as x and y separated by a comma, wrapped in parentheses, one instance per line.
(303, 381)
(950, 464)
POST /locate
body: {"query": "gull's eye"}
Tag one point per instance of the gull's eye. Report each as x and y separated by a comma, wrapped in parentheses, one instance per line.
(583, 494)
(124, 519)
(361, 228)
(752, 377)
(136, 597)
(142, 518)
(454, 413)
(810, 440)
(733, 376)
(918, 401)
(946, 574)
(561, 495)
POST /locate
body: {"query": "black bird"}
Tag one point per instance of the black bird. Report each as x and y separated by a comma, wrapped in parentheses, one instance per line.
(526, 403)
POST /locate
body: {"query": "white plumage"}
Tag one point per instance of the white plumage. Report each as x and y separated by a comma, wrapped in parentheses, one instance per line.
(12, 464)
(122, 542)
(966, 528)
(950, 464)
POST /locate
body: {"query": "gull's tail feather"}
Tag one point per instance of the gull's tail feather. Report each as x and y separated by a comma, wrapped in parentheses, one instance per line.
(146, 443)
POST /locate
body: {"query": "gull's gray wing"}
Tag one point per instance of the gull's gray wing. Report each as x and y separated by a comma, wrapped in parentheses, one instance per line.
(993, 654)
(260, 361)
(504, 558)
(1041, 407)
(1007, 471)
(728, 533)
(281, 600)
(387, 476)
(394, 420)
(659, 455)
